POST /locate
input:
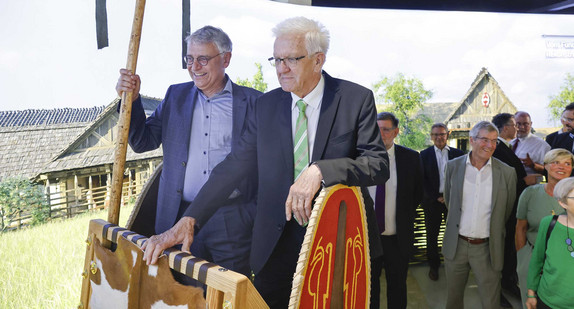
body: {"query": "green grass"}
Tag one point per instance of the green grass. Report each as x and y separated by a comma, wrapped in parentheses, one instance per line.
(40, 267)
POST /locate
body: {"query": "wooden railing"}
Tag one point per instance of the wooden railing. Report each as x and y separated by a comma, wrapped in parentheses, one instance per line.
(66, 204)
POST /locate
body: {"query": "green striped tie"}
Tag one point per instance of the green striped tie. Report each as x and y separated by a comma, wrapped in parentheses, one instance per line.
(301, 149)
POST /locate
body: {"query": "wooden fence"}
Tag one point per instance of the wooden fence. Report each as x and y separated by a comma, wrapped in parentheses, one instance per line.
(66, 204)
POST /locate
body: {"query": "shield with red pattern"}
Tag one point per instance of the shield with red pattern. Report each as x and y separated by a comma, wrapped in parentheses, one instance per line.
(334, 268)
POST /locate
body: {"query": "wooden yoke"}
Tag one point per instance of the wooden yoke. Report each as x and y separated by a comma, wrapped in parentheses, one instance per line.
(124, 119)
(226, 288)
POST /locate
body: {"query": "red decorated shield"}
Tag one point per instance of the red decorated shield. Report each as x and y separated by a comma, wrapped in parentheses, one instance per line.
(334, 268)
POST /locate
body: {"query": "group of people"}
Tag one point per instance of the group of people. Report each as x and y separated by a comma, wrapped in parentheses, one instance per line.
(241, 170)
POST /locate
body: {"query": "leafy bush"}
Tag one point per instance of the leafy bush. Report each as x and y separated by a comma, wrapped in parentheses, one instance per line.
(20, 197)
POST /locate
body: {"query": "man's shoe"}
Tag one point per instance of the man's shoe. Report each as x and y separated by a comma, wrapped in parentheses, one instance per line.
(433, 274)
(504, 303)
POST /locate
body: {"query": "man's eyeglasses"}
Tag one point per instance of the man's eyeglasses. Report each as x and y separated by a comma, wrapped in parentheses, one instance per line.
(438, 134)
(524, 124)
(202, 60)
(485, 140)
(569, 120)
(387, 130)
(289, 61)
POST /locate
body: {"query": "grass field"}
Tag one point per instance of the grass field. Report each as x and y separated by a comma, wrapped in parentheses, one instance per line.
(40, 267)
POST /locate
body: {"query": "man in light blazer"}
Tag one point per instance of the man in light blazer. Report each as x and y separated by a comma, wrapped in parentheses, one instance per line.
(342, 144)
(434, 160)
(479, 194)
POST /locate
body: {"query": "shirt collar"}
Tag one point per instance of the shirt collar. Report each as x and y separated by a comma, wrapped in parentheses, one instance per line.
(523, 138)
(391, 151)
(226, 89)
(313, 98)
(504, 141)
(438, 150)
(488, 163)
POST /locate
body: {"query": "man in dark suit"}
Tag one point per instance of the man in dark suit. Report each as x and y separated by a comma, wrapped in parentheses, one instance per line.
(567, 120)
(402, 194)
(506, 125)
(198, 123)
(315, 130)
(434, 160)
(479, 192)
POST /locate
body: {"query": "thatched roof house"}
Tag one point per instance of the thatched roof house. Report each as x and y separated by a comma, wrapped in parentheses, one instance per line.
(69, 149)
(30, 138)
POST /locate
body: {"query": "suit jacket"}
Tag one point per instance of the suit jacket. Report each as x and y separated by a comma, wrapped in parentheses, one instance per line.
(348, 149)
(170, 127)
(409, 195)
(431, 176)
(503, 196)
(562, 141)
(551, 137)
(508, 157)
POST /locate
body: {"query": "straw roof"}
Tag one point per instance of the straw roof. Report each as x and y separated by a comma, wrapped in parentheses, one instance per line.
(94, 146)
(31, 139)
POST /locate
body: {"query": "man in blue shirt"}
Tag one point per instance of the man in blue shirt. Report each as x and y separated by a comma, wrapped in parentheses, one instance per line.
(198, 123)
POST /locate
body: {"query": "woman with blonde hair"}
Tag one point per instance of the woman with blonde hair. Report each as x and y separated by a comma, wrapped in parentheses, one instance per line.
(535, 203)
(551, 270)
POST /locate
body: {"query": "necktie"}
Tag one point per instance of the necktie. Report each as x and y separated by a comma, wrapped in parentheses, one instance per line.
(380, 207)
(515, 145)
(301, 148)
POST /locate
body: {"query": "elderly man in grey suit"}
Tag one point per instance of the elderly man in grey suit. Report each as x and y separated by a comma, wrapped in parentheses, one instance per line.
(479, 193)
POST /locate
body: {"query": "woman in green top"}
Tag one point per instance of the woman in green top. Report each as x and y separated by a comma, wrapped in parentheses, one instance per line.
(554, 258)
(535, 203)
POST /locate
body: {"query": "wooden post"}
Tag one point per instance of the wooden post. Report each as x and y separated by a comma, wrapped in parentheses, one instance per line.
(124, 118)
(48, 198)
(90, 192)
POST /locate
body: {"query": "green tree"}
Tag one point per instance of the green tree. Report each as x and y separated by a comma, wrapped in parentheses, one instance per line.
(404, 97)
(258, 83)
(19, 196)
(565, 97)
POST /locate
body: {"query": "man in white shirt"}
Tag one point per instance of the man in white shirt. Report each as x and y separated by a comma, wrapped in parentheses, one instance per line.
(530, 148)
(395, 205)
(434, 167)
(479, 194)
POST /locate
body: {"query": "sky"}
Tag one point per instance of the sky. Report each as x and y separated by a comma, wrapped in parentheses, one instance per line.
(49, 57)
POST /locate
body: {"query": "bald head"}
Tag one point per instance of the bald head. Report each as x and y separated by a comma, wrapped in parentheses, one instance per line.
(523, 124)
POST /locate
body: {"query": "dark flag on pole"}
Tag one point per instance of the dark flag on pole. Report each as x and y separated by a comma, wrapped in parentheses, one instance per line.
(185, 29)
(101, 24)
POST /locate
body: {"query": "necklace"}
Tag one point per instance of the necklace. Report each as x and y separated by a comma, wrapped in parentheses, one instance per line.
(550, 205)
(568, 239)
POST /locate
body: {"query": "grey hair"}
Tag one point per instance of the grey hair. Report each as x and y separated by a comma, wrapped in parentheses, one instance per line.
(439, 125)
(483, 125)
(558, 154)
(210, 34)
(316, 35)
(563, 188)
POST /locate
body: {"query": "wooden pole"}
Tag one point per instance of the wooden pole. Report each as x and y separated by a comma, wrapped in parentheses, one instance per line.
(124, 119)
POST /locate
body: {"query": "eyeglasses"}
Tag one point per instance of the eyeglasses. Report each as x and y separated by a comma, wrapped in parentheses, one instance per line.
(202, 60)
(525, 124)
(438, 134)
(387, 130)
(485, 140)
(289, 61)
(569, 120)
